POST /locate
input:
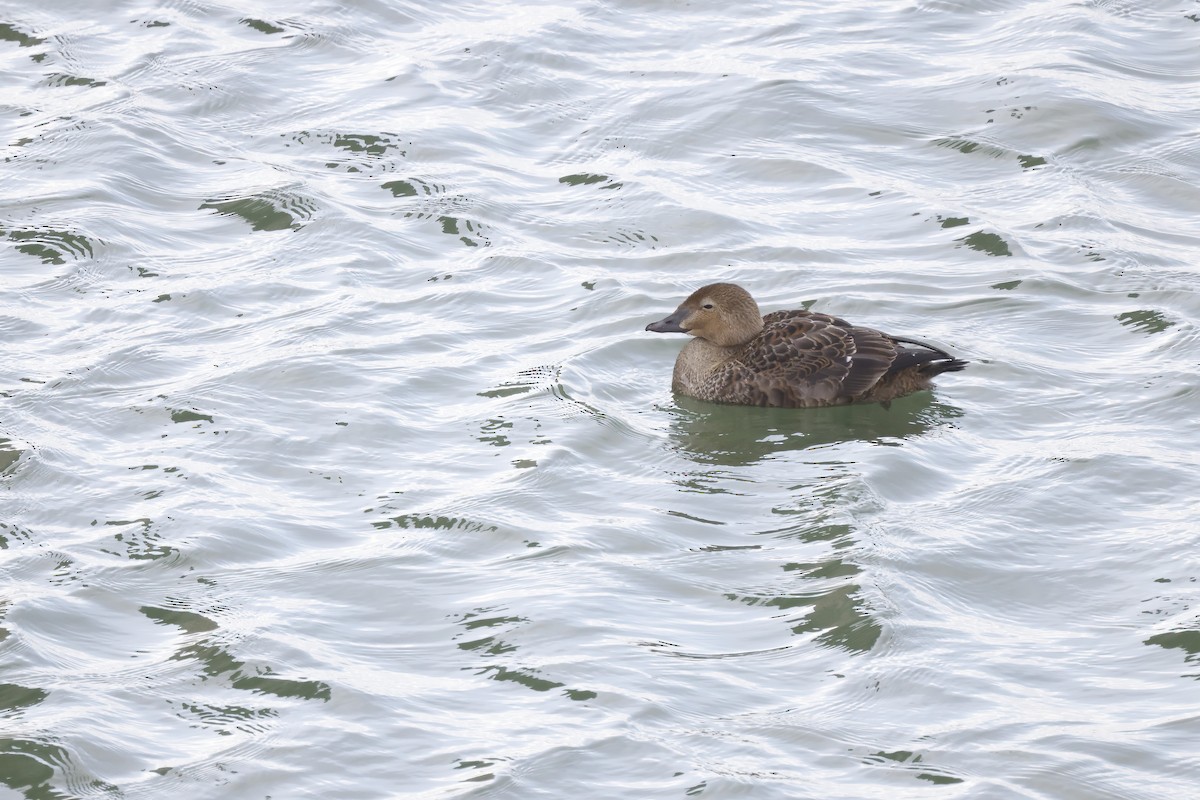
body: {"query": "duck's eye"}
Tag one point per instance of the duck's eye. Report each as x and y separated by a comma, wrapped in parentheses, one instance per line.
(708, 305)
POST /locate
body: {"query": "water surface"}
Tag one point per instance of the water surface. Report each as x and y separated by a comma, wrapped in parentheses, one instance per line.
(336, 462)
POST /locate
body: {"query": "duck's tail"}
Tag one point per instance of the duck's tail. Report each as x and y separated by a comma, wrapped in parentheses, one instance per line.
(930, 361)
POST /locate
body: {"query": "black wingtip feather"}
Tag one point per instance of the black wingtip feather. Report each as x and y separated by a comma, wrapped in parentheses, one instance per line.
(938, 367)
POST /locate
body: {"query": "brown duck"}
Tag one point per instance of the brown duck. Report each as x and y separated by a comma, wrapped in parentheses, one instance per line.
(791, 359)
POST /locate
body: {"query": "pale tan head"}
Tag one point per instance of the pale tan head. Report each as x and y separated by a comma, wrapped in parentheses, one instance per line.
(723, 313)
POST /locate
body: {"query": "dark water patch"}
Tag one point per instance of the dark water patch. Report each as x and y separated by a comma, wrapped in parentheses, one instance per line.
(275, 211)
(367, 153)
(49, 245)
(491, 432)
(14, 536)
(990, 243)
(60, 79)
(367, 143)
(487, 618)
(710, 433)
(491, 646)
(590, 179)
(418, 187)
(14, 697)
(530, 679)
(431, 522)
(724, 548)
(8, 33)
(1007, 285)
(374, 145)
(1186, 640)
(833, 568)
(215, 661)
(481, 764)
(837, 616)
(524, 677)
(1145, 321)
(187, 621)
(471, 233)
(181, 415)
(433, 203)
(968, 146)
(582, 179)
(28, 767)
(694, 518)
(9, 456)
(223, 717)
(627, 237)
(266, 683)
(488, 645)
(401, 188)
(260, 25)
(914, 762)
(141, 542)
(708, 482)
(507, 391)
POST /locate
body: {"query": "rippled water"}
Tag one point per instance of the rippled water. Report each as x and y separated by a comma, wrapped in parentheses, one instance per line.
(336, 461)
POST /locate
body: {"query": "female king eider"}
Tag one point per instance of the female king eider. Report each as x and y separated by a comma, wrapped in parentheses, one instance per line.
(791, 359)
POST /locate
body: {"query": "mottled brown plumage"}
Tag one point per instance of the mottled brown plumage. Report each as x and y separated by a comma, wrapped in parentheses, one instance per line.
(791, 359)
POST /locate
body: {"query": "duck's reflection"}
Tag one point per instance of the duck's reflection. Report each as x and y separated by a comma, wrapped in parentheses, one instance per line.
(729, 435)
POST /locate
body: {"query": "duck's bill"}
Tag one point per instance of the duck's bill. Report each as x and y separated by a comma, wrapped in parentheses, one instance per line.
(669, 324)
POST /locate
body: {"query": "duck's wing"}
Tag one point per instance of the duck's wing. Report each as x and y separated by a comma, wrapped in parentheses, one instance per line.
(807, 359)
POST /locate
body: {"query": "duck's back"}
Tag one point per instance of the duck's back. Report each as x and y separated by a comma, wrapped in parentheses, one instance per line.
(802, 359)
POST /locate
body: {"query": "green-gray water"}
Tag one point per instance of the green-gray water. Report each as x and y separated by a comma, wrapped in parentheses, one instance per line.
(336, 462)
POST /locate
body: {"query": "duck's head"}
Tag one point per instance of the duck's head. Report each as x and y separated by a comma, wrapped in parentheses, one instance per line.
(723, 313)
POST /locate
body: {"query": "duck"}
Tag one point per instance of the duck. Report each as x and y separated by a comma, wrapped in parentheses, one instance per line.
(791, 359)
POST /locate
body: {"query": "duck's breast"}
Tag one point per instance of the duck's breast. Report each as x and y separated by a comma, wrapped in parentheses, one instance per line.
(694, 367)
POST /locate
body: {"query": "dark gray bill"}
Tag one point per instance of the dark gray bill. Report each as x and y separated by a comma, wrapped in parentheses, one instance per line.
(669, 324)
